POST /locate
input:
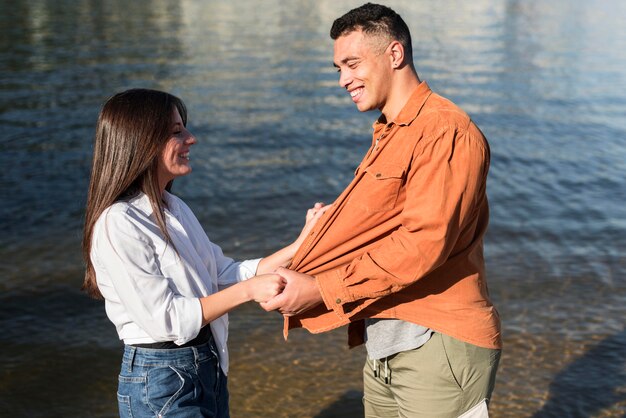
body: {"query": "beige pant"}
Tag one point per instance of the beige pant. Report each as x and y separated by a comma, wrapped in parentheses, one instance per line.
(444, 378)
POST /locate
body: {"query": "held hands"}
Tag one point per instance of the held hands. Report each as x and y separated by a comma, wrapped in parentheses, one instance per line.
(300, 294)
(264, 287)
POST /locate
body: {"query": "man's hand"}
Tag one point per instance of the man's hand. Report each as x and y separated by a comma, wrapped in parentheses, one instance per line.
(300, 294)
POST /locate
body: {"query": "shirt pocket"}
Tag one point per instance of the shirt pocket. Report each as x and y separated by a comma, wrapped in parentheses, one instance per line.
(378, 189)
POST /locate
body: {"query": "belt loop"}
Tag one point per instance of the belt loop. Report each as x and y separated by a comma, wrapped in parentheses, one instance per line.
(196, 356)
(131, 358)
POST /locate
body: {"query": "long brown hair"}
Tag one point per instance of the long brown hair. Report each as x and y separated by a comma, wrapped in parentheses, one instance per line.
(132, 129)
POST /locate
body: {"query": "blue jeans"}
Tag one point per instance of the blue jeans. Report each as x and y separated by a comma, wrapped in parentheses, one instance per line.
(182, 382)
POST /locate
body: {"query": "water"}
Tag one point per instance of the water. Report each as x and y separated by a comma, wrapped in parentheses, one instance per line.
(545, 81)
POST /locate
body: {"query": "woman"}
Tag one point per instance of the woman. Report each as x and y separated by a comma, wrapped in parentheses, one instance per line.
(166, 286)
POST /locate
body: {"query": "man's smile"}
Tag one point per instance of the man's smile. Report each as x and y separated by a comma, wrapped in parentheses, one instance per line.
(356, 93)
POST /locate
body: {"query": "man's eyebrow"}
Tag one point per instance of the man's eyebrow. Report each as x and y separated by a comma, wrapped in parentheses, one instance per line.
(345, 61)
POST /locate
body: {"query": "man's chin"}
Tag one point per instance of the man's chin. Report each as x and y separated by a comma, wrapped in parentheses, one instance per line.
(362, 107)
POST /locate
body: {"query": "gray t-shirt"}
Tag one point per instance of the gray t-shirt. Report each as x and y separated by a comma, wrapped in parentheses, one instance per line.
(385, 337)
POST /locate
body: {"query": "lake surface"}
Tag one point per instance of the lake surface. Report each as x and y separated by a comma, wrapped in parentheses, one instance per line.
(545, 81)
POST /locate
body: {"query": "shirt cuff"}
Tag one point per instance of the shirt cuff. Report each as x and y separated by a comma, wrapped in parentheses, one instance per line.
(333, 291)
(189, 324)
(248, 268)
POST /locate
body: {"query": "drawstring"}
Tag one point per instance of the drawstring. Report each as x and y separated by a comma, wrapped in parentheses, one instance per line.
(386, 370)
(376, 366)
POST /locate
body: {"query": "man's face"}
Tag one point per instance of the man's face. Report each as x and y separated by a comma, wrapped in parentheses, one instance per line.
(365, 70)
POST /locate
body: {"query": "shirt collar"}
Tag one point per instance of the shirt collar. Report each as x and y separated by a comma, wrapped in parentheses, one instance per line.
(410, 110)
(142, 202)
(171, 202)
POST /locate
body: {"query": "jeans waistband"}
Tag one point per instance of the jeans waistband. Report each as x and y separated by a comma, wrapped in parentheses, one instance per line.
(137, 357)
(156, 357)
(203, 337)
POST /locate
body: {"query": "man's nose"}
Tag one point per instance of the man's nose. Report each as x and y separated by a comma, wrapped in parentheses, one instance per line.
(345, 79)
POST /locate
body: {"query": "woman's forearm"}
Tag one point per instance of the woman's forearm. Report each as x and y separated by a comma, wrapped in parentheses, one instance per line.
(280, 258)
(260, 288)
(217, 304)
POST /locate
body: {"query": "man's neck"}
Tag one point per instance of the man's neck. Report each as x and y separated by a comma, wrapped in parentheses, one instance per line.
(403, 87)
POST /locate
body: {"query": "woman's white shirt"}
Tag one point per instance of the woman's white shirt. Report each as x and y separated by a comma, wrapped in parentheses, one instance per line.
(151, 290)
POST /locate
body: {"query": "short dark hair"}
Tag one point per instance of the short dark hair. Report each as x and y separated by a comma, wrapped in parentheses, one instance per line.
(374, 19)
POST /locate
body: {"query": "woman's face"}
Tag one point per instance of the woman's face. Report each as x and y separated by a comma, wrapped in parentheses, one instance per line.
(174, 158)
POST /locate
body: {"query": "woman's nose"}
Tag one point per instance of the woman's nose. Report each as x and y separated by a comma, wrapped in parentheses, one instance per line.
(191, 139)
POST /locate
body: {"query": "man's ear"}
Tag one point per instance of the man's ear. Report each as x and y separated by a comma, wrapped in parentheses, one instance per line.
(396, 53)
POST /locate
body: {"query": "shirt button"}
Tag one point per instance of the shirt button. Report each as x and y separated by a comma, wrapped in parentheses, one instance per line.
(338, 301)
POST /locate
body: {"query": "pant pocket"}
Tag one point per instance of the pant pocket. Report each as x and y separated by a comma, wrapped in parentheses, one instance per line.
(166, 386)
(473, 367)
(123, 403)
(129, 395)
(455, 357)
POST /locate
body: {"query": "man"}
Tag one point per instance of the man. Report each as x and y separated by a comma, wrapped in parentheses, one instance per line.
(399, 255)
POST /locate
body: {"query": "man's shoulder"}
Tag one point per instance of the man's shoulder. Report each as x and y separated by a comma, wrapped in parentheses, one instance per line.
(442, 118)
(441, 112)
(438, 116)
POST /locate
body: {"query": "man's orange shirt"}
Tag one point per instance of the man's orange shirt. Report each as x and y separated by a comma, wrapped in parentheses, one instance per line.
(405, 238)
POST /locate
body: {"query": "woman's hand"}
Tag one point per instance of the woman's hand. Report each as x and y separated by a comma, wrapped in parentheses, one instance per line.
(312, 216)
(264, 287)
(283, 257)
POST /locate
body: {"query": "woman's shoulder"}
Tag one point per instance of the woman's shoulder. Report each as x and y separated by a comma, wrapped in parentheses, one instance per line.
(127, 208)
(122, 229)
(118, 208)
(125, 215)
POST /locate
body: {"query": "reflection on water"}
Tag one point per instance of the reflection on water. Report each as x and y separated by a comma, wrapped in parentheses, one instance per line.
(545, 82)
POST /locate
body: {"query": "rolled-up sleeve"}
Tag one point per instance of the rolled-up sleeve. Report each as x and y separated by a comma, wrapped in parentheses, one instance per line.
(443, 186)
(128, 257)
(229, 271)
